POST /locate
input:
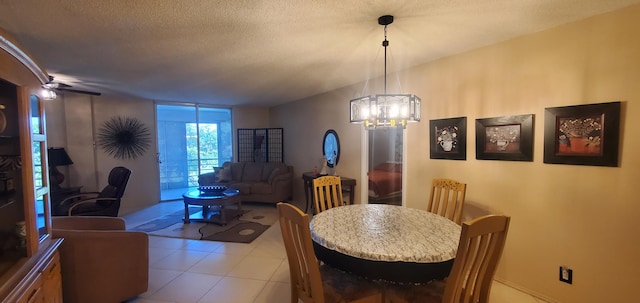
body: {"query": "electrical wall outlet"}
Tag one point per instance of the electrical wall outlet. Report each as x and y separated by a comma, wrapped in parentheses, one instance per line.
(566, 274)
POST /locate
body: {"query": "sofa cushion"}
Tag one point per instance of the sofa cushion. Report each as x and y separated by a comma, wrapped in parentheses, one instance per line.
(216, 170)
(207, 179)
(268, 168)
(252, 172)
(276, 172)
(236, 169)
(244, 188)
(261, 188)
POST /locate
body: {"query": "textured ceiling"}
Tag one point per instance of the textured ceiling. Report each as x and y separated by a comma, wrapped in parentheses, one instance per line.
(261, 52)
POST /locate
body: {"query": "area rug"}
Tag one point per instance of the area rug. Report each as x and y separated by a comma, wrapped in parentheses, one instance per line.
(256, 219)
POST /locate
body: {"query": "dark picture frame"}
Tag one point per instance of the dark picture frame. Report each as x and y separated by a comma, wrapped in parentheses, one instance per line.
(448, 138)
(505, 138)
(582, 134)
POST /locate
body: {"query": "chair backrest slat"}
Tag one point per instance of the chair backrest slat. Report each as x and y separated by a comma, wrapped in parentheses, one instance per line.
(303, 265)
(446, 198)
(481, 243)
(327, 191)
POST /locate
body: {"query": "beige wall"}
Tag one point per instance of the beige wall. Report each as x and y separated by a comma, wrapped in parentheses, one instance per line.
(73, 120)
(247, 117)
(250, 117)
(75, 135)
(581, 216)
(305, 123)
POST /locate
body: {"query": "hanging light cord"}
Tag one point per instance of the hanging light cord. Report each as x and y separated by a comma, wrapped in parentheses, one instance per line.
(385, 43)
(365, 89)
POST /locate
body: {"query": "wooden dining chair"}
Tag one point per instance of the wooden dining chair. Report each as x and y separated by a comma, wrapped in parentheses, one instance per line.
(447, 198)
(311, 282)
(327, 193)
(481, 243)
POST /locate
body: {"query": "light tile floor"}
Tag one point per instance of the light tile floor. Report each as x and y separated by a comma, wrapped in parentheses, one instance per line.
(192, 271)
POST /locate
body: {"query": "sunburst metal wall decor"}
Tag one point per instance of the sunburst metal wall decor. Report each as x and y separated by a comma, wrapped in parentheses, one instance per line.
(124, 137)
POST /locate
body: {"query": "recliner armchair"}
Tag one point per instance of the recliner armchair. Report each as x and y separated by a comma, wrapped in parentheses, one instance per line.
(101, 261)
(103, 203)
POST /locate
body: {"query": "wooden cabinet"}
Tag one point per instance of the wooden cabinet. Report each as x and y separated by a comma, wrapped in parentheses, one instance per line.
(33, 293)
(42, 282)
(29, 261)
(52, 280)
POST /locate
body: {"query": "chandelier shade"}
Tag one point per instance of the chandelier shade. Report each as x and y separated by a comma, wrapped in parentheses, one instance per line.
(385, 110)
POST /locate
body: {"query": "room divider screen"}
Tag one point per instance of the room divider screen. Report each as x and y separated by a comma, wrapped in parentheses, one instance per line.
(260, 145)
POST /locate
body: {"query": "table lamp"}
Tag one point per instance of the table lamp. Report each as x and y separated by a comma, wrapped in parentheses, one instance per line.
(57, 157)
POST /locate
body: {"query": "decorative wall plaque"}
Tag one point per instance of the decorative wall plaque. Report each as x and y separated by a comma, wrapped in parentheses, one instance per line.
(124, 137)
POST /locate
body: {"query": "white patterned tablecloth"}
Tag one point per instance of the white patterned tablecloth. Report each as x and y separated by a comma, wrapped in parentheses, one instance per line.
(382, 232)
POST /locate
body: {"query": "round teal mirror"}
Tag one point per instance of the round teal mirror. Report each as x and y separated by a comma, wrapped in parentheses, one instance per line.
(331, 147)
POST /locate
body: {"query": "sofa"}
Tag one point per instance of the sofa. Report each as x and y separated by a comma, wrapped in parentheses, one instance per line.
(257, 182)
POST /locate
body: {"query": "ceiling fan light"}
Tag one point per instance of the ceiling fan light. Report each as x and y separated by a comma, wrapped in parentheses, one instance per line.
(48, 94)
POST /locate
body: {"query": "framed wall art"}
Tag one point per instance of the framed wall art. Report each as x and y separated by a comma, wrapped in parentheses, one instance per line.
(448, 138)
(582, 134)
(505, 138)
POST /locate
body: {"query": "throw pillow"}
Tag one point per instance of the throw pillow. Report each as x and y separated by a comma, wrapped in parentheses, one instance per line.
(224, 175)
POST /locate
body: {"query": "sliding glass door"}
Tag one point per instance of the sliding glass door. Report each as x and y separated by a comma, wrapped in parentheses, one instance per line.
(192, 139)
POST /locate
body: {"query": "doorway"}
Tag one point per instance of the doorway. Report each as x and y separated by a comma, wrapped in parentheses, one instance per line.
(385, 165)
(192, 140)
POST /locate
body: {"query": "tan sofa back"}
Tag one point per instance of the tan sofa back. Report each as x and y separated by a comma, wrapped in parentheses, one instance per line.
(257, 182)
(255, 172)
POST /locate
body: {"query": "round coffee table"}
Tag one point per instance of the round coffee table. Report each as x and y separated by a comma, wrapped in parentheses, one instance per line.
(214, 206)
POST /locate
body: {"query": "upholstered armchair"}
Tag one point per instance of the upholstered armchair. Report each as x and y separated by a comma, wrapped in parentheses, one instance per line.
(101, 262)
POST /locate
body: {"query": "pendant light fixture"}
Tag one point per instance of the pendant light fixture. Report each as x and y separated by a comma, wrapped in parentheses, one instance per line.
(385, 110)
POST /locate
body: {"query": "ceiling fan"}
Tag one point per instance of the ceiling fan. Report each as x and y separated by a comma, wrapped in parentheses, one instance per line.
(59, 86)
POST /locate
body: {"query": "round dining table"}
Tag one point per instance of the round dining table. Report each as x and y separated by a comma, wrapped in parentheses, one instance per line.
(386, 242)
